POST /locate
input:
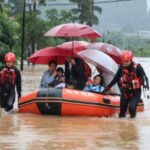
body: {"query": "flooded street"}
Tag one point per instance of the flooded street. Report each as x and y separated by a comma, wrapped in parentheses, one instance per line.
(30, 131)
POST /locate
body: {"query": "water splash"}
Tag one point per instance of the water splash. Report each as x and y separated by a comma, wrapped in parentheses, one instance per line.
(148, 6)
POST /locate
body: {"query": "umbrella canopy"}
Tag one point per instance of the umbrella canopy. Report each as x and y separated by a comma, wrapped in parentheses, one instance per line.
(74, 46)
(72, 30)
(99, 59)
(112, 51)
(43, 56)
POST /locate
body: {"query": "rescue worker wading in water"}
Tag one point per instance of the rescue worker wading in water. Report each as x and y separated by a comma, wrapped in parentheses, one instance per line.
(9, 77)
(132, 77)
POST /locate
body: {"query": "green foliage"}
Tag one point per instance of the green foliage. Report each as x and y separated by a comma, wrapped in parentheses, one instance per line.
(17, 6)
(85, 12)
(35, 27)
(140, 47)
(116, 38)
(8, 32)
(2, 1)
(143, 51)
(54, 17)
(66, 16)
(4, 48)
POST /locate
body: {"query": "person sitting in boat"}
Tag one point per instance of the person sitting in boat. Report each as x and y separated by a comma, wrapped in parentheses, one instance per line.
(49, 76)
(107, 78)
(71, 83)
(60, 78)
(74, 68)
(96, 86)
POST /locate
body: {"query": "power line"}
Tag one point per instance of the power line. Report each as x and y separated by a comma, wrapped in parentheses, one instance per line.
(112, 1)
(98, 2)
(109, 1)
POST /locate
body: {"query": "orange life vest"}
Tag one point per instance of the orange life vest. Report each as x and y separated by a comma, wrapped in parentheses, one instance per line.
(130, 80)
(8, 76)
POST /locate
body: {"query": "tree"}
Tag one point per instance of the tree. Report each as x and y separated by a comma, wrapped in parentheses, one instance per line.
(85, 12)
(17, 5)
(143, 51)
(66, 16)
(54, 17)
(8, 34)
(4, 48)
(34, 30)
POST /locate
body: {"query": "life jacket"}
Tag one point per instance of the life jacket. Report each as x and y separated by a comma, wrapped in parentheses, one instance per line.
(8, 76)
(130, 80)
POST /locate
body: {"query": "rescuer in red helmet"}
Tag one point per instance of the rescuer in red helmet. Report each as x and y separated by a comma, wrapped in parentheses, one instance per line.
(9, 78)
(131, 77)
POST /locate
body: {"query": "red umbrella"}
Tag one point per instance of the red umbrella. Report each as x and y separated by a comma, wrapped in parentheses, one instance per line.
(72, 30)
(112, 51)
(43, 56)
(74, 46)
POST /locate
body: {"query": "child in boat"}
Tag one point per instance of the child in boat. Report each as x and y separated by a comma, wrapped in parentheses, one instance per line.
(71, 83)
(60, 78)
(96, 86)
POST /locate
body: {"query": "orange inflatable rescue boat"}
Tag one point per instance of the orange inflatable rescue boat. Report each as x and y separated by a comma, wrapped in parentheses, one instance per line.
(69, 102)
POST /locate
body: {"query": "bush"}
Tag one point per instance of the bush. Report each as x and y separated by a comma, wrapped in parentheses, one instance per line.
(4, 48)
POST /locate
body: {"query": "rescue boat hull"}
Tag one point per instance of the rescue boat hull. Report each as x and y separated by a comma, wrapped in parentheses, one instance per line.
(69, 102)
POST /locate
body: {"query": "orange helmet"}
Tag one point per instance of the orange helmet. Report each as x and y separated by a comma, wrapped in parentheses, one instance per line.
(10, 57)
(126, 56)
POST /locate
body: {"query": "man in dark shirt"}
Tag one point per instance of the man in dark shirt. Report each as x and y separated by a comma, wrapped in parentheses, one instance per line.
(74, 68)
(9, 78)
(131, 77)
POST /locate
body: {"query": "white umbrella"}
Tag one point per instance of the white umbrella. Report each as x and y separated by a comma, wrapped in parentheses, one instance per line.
(99, 59)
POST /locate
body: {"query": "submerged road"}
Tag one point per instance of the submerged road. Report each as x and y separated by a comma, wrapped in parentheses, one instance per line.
(30, 131)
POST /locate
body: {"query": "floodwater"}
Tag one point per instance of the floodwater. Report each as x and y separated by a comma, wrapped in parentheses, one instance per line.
(30, 131)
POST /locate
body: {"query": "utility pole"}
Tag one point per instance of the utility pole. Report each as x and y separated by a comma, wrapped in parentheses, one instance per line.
(23, 29)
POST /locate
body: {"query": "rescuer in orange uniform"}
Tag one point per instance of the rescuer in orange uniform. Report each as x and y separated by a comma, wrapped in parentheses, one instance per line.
(9, 78)
(131, 77)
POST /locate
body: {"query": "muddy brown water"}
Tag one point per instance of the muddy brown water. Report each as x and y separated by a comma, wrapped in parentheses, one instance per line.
(30, 131)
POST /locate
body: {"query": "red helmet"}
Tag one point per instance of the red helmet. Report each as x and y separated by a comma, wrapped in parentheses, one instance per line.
(126, 56)
(10, 57)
